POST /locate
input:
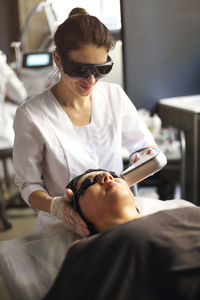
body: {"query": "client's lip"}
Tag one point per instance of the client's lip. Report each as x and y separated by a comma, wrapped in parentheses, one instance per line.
(110, 184)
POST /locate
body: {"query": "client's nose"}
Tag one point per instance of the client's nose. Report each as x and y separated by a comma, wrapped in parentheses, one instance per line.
(105, 176)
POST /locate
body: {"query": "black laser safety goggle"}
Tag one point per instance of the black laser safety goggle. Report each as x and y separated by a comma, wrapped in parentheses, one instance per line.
(80, 71)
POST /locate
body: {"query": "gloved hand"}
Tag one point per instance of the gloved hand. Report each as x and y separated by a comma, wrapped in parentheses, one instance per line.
(136, 155)
(61, 208)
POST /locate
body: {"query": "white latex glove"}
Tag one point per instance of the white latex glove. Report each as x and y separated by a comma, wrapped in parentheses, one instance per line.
(136, 156)
(61, 208)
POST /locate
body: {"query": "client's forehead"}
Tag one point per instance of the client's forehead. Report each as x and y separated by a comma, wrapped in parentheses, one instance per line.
(88, 175)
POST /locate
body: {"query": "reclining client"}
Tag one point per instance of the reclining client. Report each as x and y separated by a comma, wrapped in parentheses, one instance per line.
(132, 256)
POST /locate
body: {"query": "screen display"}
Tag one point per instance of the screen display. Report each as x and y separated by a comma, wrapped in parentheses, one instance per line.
(37, 60)
(33, 60)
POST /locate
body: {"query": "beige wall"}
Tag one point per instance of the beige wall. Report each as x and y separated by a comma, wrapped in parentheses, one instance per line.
(38, 26)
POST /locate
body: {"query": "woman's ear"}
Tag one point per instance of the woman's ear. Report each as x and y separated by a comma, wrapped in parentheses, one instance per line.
(56, 58)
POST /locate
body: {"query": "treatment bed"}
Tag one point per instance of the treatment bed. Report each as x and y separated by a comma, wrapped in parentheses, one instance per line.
(29, 265)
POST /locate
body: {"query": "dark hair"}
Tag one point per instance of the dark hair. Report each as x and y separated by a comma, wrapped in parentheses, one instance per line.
(75, 203)
(81, 29)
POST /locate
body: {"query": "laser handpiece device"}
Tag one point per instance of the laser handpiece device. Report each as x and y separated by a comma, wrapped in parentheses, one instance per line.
(145, 166)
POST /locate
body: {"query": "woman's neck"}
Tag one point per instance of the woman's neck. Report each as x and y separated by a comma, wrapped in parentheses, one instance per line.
(67, 98)
(78, 109)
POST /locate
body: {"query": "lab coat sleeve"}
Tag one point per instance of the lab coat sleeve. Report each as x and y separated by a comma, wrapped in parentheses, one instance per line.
(135, 133)
(27, 155)
(15, 89)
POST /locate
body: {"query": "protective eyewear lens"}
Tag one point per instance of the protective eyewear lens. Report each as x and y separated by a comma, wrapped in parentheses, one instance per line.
(80, 71)
(86, 184)
(90, 181)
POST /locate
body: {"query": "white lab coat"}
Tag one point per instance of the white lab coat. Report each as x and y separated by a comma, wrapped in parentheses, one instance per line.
(49, 151)
(11, 86)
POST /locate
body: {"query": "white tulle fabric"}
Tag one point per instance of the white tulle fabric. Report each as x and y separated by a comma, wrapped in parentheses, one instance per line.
(29, 265)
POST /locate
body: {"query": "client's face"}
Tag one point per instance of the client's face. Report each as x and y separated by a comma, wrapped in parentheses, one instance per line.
(105, 198)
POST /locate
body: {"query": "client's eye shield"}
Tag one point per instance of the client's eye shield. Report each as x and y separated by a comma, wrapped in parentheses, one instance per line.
(80, 71)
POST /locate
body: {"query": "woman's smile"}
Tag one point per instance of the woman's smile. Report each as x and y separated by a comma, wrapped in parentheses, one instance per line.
(86, 87)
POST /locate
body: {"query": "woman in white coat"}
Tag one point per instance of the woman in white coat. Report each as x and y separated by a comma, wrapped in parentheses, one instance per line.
(78, 123)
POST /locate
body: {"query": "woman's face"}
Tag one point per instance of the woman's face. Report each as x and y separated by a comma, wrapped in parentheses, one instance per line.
(89, 54)
(107, 198)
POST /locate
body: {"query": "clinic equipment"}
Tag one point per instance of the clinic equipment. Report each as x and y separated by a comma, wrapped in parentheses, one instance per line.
(146, 166)
(35, 68)
(52, 24)
(39, 59)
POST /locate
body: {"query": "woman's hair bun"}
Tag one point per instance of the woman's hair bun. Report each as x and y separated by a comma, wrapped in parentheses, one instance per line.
(77, 11)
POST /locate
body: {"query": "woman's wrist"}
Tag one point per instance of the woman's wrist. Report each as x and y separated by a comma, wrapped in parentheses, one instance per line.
(40, 200)
(142, 149)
